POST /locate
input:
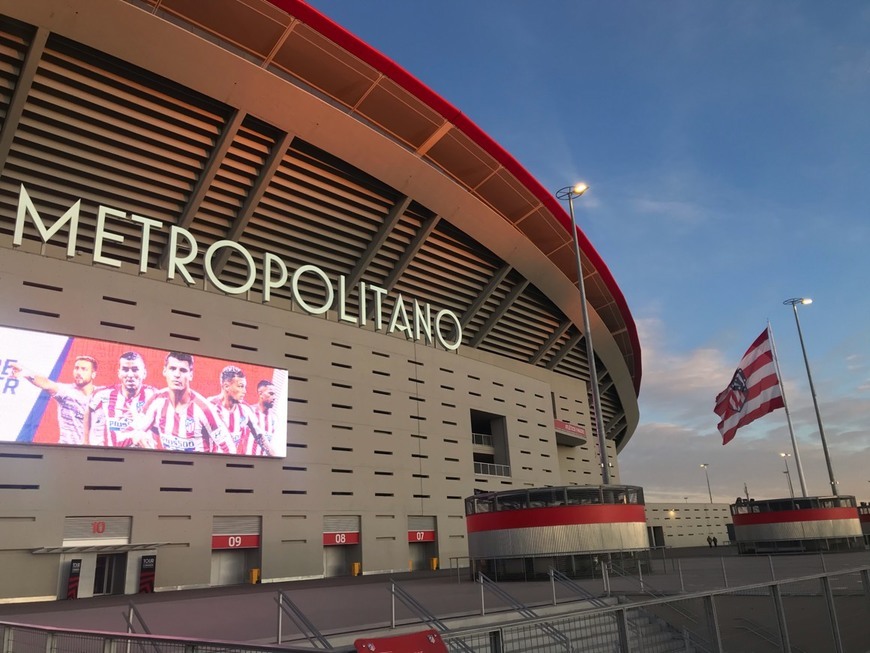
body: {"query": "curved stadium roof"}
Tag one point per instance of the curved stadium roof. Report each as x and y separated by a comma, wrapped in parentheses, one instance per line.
(299, 138)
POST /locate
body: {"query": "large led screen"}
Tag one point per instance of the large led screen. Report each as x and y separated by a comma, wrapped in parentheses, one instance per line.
(77, 391)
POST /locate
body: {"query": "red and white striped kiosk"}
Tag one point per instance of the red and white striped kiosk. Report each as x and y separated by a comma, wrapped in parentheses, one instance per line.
(796, 525)
(520, 534)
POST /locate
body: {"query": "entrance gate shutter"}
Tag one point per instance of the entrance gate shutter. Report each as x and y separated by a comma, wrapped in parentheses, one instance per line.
(236, 525)
(97, 530)
(421, 523)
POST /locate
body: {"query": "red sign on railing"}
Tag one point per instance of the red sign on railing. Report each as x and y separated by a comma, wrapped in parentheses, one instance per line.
(425, 642)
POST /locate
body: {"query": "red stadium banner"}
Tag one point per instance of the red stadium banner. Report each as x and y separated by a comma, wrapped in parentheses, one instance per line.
(235, 542)
(65, 390)
(421, 536)
(341, 539)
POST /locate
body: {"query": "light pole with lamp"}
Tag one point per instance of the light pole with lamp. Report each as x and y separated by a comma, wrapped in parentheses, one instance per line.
(785, 457)
(707, 474)
(569, 193)
(794, 301)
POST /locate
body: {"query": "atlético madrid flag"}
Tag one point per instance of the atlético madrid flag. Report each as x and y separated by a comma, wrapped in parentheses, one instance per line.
(753, 392)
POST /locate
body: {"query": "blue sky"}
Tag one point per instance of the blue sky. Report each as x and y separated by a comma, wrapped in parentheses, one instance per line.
(727, 146)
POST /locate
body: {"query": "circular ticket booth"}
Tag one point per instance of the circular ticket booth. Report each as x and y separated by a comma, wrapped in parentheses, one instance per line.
(520, 534)
(797, 525)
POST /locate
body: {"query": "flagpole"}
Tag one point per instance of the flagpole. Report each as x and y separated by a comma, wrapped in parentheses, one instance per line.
(797, 455)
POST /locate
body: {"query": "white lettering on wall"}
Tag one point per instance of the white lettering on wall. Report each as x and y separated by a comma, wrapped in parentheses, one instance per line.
(26, 207)
(416, 324)
(102, 235)
(249, 261)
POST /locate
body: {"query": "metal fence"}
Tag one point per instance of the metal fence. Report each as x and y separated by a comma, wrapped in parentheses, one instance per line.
(827, 612)
(824, 612)
(20, 638)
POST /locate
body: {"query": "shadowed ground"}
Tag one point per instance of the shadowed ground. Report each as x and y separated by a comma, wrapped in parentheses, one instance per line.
(248, 613)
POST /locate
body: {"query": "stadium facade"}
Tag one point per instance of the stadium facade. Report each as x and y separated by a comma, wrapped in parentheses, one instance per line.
(247, 183)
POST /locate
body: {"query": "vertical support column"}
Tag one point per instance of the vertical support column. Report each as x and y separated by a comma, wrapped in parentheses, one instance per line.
(280, 616)
(622, 628)
(482, 605)
(640, 575)
(715, 637)
(680, 571)
(392, 605)
(865, 582)
(776, 594)
(553, 583)
(495, 641)
(832, 612)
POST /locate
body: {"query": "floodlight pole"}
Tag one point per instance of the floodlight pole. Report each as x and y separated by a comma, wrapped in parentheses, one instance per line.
(794, 301)
(787, 472)
(569, 193)
(707, 474)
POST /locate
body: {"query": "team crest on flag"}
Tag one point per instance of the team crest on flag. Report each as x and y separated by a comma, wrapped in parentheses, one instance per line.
(754, 389)
(737, 391)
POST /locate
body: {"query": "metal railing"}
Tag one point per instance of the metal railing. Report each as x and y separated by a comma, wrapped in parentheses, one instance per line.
(483, 439)
(23, 638)
(521, 608)
(286, 606)
(491, 469)
(610, 629)
(722, 619)
(397, 592)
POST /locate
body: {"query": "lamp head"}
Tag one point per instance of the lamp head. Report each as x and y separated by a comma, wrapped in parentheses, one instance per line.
(794, 301)
(570, 192)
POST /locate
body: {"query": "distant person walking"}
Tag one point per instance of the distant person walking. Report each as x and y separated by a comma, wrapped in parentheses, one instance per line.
(710, 541)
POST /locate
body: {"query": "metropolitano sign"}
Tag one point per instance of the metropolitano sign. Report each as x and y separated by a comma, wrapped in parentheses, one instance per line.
(389, 314)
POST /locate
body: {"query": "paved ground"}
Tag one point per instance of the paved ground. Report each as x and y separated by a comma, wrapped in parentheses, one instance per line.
(248, 613)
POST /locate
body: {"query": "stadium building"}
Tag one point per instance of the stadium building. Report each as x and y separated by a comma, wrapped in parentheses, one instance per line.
(199, 195)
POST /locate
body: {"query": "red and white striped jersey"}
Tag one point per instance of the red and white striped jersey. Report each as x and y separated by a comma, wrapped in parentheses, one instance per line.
(265, 421)
(242, 426)
(112, 412)
(194, 426)
(71, 413)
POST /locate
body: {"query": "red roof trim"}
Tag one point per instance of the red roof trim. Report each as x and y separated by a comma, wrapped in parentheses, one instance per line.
(403, 78)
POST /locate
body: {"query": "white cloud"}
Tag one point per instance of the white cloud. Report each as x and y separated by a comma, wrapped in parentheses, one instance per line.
(677, 433)
(680, 211)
